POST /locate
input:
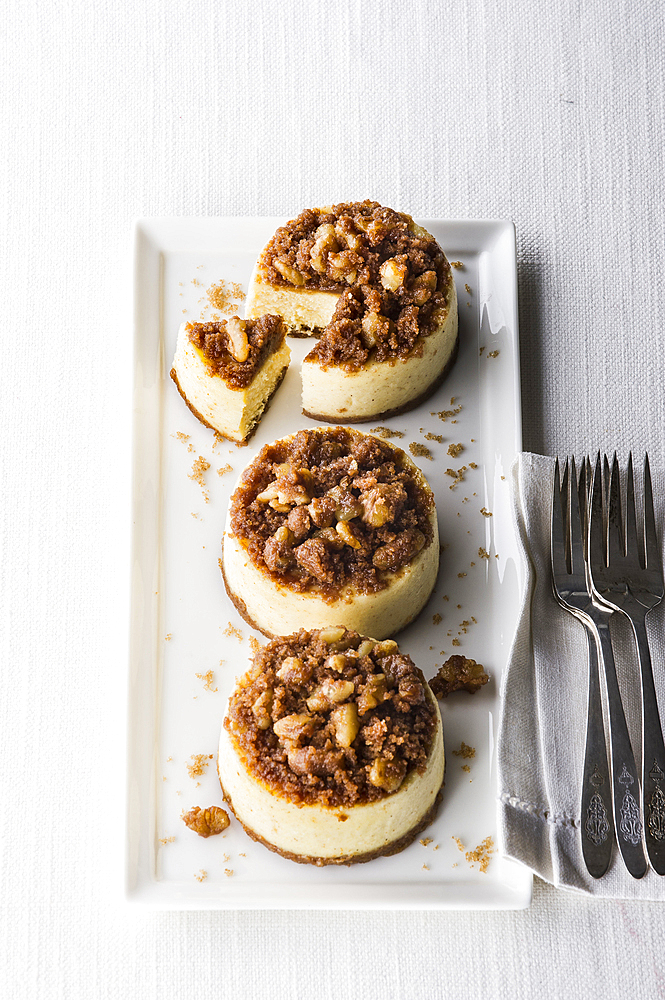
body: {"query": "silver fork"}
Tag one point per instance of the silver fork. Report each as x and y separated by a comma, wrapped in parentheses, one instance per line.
(572, 592)
(632, 582)
(627, 815)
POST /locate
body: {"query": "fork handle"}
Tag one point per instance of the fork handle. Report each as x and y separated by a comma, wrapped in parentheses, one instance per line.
(653, 751)
(597, 836)
(625, 784)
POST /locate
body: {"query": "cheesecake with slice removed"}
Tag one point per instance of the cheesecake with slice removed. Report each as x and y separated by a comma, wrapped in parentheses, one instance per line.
(228, 371)
(331, 751)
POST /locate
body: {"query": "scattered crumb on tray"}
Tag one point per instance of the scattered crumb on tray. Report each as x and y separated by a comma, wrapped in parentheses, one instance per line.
(224, 469)
(202, 875)
(206, 822)
(465, 751)
(233, 632)
(254, 644)
(485, 512)
(434, 437)
(199, 764)
(437, 618)
(493, 354)
(482, 854)
(199, 468)
(457, 264)
(207, 679)
(386, 432)
(458, 673)
(167, 840)
(425, 841)
(465, 767)
(444, 414)
(168, 637)
(228, 872)
(468, 288)
(421, 450)
(225, 296)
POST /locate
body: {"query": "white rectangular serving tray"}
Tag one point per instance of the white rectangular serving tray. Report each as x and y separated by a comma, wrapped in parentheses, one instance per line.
(181, 617)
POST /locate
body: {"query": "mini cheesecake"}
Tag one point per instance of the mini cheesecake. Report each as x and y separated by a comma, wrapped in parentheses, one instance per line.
(379, 290)
(331, 751)
(227, 372)
(331, 525)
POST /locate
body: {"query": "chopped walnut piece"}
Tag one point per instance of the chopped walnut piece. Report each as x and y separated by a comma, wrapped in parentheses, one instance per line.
(290, 274)
(238, 342)
(393, 274)
(387, 774)
(380, 504)
(458, 673)
(294, 671)
(293, 727)
(346, 534)
(206, 822)
(261, 709)
(346, 724)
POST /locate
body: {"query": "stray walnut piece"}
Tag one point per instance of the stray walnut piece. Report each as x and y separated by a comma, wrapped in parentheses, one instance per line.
(458, 674)
(206, 822)
(331, 507)
(330, 716)
(236, 348)
(395, 278)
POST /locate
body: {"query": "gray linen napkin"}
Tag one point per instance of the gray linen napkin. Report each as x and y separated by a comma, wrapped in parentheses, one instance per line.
(543, 722)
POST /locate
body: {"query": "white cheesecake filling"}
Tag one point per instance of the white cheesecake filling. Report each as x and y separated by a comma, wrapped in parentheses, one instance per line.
(316, 831)
(231, 412)
(379, 387)
(276, 609)
(303, 310)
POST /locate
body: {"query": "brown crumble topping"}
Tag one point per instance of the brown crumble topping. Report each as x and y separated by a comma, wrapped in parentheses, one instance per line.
(386, 432)
(485, 512)
(207, 679)
(416, 448)
(465, 751)
(254, 645)
(394, 283)
(436, 619)
(200, 467)
(224, 469)
(202, 875)
(434, 437)
(457, 264)
(236, 349)
(455, 449)
(233, 632)
(333, 717)
(206, 822)
(458, 673)
(458, 475)
(493, 354)
(199, 764)
(329, 507)
(225, 297)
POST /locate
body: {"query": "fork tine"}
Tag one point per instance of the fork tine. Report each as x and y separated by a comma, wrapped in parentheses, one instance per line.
(558, 536)
(652, 550)
(583, 495)
(576, 545)
(630, 522)
(596, 544)
(615, 545)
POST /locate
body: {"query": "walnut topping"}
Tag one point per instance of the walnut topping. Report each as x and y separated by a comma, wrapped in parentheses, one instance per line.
(329, 507)
(345, 726)
(289, 273)
(206, 822)
(393, 274)
(458, 673)
(238, 342)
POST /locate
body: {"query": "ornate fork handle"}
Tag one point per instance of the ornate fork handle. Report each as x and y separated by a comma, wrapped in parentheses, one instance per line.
(596, 789)
(653, 751)
(625, 785)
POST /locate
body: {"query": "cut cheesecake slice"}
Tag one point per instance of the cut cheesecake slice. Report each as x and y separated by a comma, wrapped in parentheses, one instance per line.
(379, 290)
(228, 371)
(331, 751)
(331, 525)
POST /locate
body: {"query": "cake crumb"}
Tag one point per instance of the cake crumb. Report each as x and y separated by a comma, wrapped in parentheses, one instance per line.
(455, 449)
(458, 475)
(483, 553)
(232, 631)
(206, 822)
(202, 875)
(199, 764)
(426, 868)
(434, 437)
(461, 575)
(457, 264)
(225, 297)
(207, 679)
(493, 354)
(199, 468)
(482, 854)
(468, 288)
(472, 465)
(224, 469)
(421, 450)
(218, 441)
(167, 840)
(181, 436)
(465, 767)
(168, 637)
(228, 872)
(445, 598)
(444, 414)
(254, 644)
(386, 432)
(437, 618)
(456, 674)
(460, 845)
(425, 841)
(485, 512)
(465, 751)
(455, 642)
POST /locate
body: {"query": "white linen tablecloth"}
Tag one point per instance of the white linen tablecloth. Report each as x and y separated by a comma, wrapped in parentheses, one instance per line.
(551, 114)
